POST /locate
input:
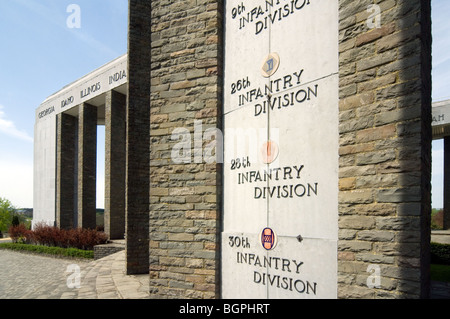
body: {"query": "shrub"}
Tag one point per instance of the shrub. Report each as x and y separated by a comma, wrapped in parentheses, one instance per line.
(85, 238)
(68, 252)
(440, 273)
(440, 254)
(80, 238)
(46, 235)
(20, 234)
(437, 219)
(15, 220)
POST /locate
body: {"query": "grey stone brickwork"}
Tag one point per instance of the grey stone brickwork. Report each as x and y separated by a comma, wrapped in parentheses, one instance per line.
(104, 250)
(65, 170)
(87, 165)
(385, 142)
(138, 138)
(115, 161)
(185, 206)
(385, 148)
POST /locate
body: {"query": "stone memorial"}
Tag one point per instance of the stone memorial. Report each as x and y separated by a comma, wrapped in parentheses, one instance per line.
(267, 148)
(280, 176)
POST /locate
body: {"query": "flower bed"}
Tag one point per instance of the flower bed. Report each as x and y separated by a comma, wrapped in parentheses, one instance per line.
(42, 234)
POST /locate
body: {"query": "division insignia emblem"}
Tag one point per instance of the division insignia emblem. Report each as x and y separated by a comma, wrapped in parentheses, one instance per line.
(270, 64)
(268, 239)
(269, 152)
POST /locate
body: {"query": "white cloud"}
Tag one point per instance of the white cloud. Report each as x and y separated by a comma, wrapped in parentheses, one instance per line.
(16, 182)
(9, 128)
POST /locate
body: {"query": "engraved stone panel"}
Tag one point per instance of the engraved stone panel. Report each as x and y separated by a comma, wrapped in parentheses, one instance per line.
(280, 150)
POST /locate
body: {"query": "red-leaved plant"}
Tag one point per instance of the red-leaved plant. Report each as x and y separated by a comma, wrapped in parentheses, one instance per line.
(20, 234)
(43, 234)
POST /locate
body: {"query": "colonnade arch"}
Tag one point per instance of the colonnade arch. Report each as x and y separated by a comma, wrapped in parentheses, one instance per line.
(441, 130)
(77, 160)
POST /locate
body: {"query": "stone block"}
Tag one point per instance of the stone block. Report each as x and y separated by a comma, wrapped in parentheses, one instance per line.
(356, 222)
(376, 235)
(356, 196)
(375, 157)
(399, 195)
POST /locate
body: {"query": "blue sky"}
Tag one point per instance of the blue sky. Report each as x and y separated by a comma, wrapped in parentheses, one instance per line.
(40, 54)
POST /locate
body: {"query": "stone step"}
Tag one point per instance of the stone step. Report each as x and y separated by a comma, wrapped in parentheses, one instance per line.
(440, 236)
(112, 247)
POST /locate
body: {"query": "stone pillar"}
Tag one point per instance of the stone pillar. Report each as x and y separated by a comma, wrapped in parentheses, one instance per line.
(138, 138)
(115, 113)
(185, 196)
(65, 170)
(87, 165)
(447, 182)
(385, 149)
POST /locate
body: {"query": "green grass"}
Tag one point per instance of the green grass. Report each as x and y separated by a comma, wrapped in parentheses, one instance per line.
(440, 272)
(55, 251)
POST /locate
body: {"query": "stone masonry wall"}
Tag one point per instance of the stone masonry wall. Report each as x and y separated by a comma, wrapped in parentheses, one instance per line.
(184, 196)
(65, 170)
(137, 144)
(87, 165)
(385, 141)
(385, 149)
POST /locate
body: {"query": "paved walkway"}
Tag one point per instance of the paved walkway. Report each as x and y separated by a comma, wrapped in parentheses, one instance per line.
(440, 236)
(29, 276)
(440, 290)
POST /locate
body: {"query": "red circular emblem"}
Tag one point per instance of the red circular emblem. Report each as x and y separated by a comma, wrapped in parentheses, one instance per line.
(268, 238)
(269, 152)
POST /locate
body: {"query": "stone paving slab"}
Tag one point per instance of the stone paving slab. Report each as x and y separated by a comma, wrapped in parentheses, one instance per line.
(31, 276)
(440, 236)
(441, 290)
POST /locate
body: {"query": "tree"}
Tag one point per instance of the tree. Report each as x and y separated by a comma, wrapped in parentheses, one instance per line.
(15, 220)
(6, 214)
